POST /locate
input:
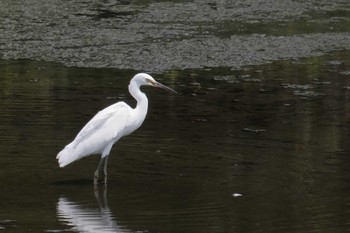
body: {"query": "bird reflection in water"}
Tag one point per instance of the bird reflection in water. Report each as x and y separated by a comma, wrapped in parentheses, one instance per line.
(83, 218)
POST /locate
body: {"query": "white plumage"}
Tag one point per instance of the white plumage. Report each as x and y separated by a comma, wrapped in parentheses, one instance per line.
(108, 126)
(104, 129)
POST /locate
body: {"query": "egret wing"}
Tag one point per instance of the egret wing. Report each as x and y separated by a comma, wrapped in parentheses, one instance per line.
(105, 128)
(107, 123)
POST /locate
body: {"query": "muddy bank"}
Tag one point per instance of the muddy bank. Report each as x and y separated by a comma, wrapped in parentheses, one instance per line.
(158, 36)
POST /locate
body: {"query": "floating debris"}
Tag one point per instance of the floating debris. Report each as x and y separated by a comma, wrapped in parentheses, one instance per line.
(7, 223)
(111, 97)
(335, 63)
(303, 90)
(195, 84)
(306, 93)
(323, 83)
(254, 130)
(297, 86)
(237, 195)
(347, 72)
(35, 80)
(202, 120)
(252, 80)
(228, 79)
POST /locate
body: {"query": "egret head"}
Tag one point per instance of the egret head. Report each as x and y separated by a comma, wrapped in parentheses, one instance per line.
(147, 80)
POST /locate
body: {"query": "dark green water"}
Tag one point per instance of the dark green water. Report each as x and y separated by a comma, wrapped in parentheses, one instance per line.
(262, 149)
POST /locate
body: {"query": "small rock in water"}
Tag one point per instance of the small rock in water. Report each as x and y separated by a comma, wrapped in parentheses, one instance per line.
(237, 195)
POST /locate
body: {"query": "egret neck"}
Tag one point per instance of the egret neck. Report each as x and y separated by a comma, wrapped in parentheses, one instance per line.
(138, 114)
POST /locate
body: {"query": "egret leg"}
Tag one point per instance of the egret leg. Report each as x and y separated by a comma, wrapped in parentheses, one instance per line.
(98, 170)
(105, 169)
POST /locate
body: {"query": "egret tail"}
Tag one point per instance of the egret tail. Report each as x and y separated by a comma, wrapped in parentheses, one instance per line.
(66, 157)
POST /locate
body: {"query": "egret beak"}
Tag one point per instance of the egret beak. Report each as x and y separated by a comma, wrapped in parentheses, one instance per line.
(159, 85)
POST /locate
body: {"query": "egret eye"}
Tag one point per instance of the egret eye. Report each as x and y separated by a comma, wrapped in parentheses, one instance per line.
(149, 81)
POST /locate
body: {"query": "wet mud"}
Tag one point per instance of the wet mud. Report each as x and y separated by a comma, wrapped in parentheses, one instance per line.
(158, 36)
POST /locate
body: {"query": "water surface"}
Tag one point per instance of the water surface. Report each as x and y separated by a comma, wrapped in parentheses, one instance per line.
(263, 149)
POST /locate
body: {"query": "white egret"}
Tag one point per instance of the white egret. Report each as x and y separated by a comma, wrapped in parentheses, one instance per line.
(108, 126)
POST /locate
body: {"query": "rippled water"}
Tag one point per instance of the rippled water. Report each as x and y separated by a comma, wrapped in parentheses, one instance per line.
(263, 149)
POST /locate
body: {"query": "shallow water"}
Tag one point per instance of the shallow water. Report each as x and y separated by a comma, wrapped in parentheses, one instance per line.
(263, 149)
